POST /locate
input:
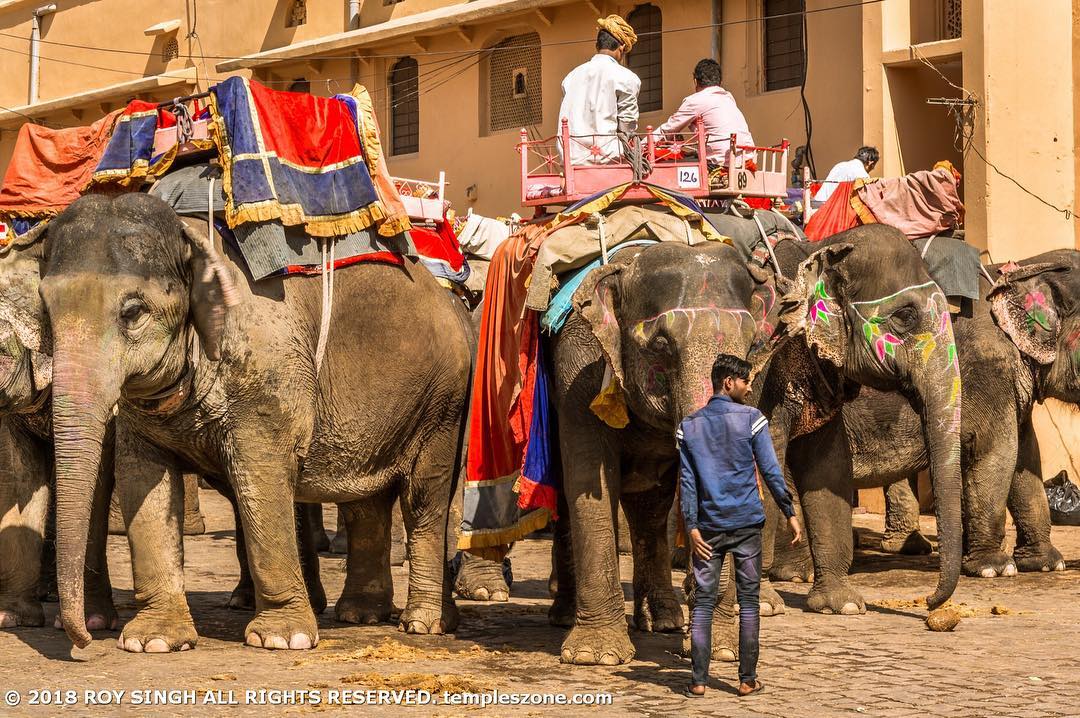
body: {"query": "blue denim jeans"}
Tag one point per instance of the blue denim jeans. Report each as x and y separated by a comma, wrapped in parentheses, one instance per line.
(744, 545)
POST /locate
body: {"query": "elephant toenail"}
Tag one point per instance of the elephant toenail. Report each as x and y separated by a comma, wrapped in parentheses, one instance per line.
(567, 656)
(481, 594)
(1059, 566)
(299, 642)
(849, 609)
(57, 624)
(185, 646)
(95, 622)
(275, 642)
(133, 645)
(988, 573)
(500, 596)
(157, 645)
(609, 659)
(254, 640)
(370, 620)
(1010, 570)
(1044, 569)
(726, 655)
(120, 643)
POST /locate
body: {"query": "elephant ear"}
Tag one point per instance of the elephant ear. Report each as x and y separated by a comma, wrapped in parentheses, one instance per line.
(597, 300)
(810, 306)
(212, 291)
(1023, 304)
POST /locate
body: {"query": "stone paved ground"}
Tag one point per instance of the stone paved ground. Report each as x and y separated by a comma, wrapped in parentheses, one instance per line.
(885, 663)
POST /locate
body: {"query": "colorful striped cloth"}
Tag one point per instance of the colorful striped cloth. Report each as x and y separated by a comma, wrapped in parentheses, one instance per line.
(129, 159)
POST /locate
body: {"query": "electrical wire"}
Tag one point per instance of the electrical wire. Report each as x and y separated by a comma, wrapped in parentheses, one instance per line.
(559, 43)
(808, 120)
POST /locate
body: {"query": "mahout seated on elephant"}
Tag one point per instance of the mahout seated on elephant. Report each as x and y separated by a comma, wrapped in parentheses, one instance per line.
(128, 286)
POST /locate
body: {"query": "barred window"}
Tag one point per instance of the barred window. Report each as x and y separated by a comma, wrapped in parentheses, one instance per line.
(514, 97)
(297, 14)
(647, 57)
(952, 11)
(783, 54)
(405, 107)
(170, 50)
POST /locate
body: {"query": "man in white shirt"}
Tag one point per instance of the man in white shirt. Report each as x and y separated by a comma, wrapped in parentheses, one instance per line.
(848, 171)
(600, 97)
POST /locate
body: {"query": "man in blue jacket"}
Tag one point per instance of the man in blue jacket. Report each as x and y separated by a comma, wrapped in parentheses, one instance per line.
(719, 447)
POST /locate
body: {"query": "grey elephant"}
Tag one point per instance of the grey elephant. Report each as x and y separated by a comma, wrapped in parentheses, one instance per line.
(1019, 346)
(871, 316)
(129, 286)
(653, 320)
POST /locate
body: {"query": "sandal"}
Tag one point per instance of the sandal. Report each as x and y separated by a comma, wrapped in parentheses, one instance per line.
(758, 688)
(689, 692)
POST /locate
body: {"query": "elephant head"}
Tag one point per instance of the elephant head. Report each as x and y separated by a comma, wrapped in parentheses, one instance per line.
(663, 315)
(25, 341)
(25, 374)
(1037, 303)
(865, 303)
(125, 285)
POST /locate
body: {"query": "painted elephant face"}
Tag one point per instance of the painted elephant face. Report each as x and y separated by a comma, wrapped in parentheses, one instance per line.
(1037, 304)
(867, 304)
(664, 315)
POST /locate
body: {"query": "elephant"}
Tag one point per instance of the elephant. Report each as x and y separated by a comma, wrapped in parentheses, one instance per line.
(209, 371)
(862, 326)
(1020, 345)
(648, 325)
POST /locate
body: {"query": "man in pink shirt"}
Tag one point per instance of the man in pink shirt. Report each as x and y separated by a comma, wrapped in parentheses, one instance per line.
(717, 109)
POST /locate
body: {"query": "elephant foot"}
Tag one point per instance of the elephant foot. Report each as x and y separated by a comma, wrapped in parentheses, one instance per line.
(481, 580)
(366, 610)
(291, 627)
(989, 564)
(100, 613)
(1038, 557)
(339, 544)
(159, 632)
(725, 641)
(909, 544)
(794, 572)
(835, 597)
(243, 597)
(598, 645)
(426, 620)
(771, 602)
(659, 611)
(18, 613)
(563, 611)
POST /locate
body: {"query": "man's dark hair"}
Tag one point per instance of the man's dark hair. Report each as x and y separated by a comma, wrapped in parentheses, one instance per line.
(728, 365)
(707, 72)
(606, 41)
(868, 155)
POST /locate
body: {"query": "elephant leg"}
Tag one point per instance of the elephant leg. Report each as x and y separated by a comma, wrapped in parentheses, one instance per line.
(242, 597)
(308, 530)
(791, 563)
(151, 497)
(591, 481)
(340, 542)
(481, 579)
(318, 529)
(561, 583)
(986, 493)
(264, 491)
(24, 506)
(194, 524)
(1031, 511)
(368, 595)
(902, 533)
(771, 604)
(425, 507)
(655, 606)
(821, 467)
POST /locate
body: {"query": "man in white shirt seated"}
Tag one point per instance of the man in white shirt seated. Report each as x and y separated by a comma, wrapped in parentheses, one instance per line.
(717, 109)
(600, 97)
(848, 171)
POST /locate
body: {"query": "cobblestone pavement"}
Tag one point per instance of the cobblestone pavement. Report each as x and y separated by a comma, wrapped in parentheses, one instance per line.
(1023, 663)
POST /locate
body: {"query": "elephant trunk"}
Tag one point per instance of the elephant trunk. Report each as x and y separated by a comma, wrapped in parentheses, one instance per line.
(940, 395)
(83, 397)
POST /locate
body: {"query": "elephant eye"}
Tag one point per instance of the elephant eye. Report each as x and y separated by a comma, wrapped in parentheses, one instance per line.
(906, 317)
(134, 313)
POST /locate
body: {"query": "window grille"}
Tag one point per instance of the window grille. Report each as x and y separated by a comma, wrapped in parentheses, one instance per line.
(647, 57)
(297, 14)
(783, 42)
(405, 107)
(170, 50)
(514, 92)
(953, 14)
